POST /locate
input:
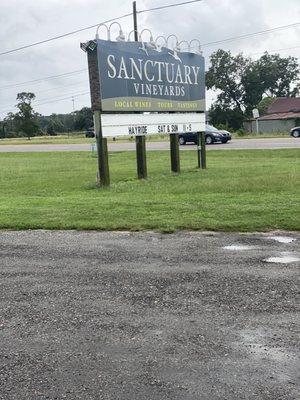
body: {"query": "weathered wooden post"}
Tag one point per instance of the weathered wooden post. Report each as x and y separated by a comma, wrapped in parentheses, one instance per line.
(174, 152)
(102, 153)
(140, 141)
(201, 150)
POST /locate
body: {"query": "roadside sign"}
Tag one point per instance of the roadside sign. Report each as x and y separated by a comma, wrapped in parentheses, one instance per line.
(139, 89)
(255, 113)
(151, 124)
(136, 77)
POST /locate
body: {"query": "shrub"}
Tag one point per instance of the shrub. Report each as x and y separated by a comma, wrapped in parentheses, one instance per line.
(241, 132)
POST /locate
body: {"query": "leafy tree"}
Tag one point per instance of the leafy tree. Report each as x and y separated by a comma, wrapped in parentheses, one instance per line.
(263, 105)
(75, 121)
(50, 130)
(270, 76)
(26, 120)
(243, 83)
(280, 76)
(83, 119)
(225, 74)
(231, 118)
(2, 129)
(9, 123)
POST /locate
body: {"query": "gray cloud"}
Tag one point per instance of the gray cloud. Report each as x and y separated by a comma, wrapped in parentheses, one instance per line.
(208, 21)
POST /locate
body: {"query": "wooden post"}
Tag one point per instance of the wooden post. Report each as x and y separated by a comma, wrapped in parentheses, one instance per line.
(103, 168)
(201, 150)
(140, 141)
(174, 151)
(141, 157)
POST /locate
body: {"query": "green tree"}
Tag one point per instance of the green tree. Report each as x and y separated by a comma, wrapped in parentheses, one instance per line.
(242, 83)
(270, 76)
(26, 120)
(51, 130)
(264, 104)
(231, 118)
(225, 75)
(83, 119)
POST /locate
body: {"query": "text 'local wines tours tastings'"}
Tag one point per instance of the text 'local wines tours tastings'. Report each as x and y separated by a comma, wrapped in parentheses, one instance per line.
(135, 77)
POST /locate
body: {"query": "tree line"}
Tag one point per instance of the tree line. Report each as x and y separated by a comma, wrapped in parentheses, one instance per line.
(240, 82)
(28, 123)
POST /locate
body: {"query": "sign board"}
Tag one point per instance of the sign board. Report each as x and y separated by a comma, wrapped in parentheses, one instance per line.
(135, 76)
(255, 113)
(151, 124)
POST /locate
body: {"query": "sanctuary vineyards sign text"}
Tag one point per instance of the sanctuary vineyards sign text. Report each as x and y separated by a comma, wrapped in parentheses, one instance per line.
(136, 77)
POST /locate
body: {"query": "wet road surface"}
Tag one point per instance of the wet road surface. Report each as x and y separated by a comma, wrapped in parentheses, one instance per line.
(149, 316)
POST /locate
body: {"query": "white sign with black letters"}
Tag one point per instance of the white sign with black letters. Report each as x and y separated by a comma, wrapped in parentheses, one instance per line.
(151, 124)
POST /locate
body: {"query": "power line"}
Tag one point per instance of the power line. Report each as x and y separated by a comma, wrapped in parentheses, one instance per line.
(274, 51)
(93, 26)
(266, 31)
(66, 74)
(168, 6)
(59, 87)
(65, 98)
(56, 88)
(56, 97)
(53, 100)
(63, 35)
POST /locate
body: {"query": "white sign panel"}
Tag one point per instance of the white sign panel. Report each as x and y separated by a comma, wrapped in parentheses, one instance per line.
(151, 124)
(255, 113)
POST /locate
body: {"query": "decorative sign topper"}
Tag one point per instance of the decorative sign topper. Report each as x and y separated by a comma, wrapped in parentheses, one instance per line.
(135, 76)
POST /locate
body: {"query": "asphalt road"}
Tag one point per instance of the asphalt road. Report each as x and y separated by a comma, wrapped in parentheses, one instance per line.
(147, 316)
(242, 144)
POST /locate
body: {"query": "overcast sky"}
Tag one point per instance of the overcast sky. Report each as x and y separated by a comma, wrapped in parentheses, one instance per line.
(30, 21)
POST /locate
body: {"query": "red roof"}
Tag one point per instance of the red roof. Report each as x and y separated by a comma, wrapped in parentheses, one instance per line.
(285, 105)
(287, 115)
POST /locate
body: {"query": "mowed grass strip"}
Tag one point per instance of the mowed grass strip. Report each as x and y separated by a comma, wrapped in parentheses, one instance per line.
(240, 191)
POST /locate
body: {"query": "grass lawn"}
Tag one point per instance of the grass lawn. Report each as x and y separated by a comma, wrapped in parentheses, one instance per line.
(62, 139)
(72, 139)
(240, 191)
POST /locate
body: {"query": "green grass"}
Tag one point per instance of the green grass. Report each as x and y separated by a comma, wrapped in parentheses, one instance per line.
(61, 139)
(240, 191)
(72, 139)
(271, 135)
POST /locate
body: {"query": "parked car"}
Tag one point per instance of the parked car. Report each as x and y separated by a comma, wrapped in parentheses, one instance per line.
(295, 132)
(212, 135)
(90, 133)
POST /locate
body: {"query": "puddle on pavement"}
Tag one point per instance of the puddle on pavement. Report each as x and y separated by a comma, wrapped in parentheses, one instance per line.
(238, 247)
(282, 239)
(258, 345)
(284, 258)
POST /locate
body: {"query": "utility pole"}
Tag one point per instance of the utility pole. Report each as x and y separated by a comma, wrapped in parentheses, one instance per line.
(257, 128)
(140, 141)
(73, 103)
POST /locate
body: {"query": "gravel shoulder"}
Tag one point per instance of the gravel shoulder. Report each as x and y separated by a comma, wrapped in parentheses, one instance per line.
(148, 316)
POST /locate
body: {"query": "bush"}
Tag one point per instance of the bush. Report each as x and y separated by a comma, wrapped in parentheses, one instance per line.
(51, 131)
(224, 127)
(241, 132)
(13, 134)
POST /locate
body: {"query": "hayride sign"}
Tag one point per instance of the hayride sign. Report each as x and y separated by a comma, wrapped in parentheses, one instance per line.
(140, 88)
(134, 77)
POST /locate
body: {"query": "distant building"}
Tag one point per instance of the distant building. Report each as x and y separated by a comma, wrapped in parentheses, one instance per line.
(283, 114)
